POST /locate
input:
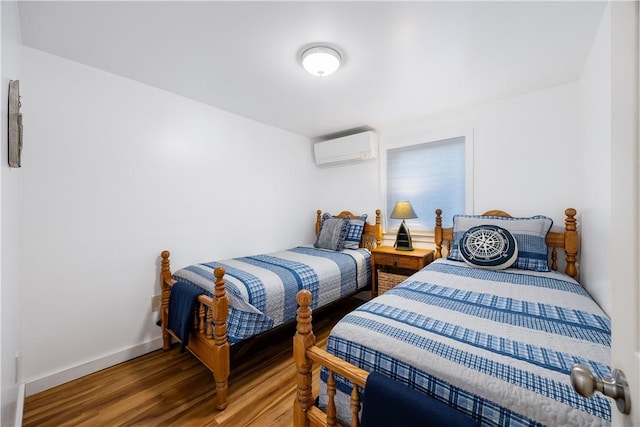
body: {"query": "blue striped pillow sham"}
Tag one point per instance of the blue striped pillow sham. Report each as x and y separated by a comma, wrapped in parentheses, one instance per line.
(354, 232)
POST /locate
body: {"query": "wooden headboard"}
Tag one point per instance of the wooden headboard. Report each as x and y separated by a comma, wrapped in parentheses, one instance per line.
(372, 234)
(568, 240)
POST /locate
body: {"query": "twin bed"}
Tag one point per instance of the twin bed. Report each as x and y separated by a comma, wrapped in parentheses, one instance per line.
(208, 307)
(490, 331)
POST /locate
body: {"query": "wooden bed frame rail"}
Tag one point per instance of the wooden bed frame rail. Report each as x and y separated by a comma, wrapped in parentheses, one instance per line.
(208, 339)
(305, 351)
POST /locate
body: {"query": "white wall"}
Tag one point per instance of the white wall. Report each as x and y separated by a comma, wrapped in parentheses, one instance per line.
(596, 219)
(352, 187)
(10, 286)
(555, 145)
(526, 157)
(113, 173)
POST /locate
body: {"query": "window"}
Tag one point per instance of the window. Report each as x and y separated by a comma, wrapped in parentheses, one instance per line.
(430, 175)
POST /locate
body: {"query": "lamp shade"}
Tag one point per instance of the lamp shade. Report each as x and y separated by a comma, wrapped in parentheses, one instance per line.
(403, 210)
(321, 60)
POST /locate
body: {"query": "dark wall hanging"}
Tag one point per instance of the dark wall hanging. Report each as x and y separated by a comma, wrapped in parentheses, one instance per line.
(15, 124)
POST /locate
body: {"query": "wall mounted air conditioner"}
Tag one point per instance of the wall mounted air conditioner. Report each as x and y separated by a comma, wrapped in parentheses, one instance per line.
(351, 148)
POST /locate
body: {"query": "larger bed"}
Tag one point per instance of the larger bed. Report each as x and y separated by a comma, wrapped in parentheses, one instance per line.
(209, 306)
(496, 345)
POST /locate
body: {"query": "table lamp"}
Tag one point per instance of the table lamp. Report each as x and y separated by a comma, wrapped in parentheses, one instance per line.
(403, 210)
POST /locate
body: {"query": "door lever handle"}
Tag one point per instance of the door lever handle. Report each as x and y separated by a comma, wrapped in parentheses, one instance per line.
(615, 387)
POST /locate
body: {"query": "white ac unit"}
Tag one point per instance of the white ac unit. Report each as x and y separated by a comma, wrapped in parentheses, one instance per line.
(357, 147)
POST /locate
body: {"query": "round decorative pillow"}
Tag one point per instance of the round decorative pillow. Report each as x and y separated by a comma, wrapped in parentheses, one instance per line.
(488, 246)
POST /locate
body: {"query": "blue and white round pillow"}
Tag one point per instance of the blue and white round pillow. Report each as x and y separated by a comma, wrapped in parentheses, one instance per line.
(488, 246)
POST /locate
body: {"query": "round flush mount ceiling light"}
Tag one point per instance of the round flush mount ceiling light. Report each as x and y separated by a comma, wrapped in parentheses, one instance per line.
(321, 60)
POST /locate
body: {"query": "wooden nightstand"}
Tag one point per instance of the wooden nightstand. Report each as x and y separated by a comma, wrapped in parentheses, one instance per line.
(392, 261)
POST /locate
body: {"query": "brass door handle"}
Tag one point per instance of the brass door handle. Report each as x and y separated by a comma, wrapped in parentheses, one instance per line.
(615, 387)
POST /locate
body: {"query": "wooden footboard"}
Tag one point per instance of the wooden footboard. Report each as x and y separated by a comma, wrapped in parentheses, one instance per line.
(208, 340)
(305, 352)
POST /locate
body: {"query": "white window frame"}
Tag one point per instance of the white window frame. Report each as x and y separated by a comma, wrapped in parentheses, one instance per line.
(426, 236)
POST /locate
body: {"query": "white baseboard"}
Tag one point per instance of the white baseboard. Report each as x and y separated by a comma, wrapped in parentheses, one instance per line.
(20, 405)
(46, 382)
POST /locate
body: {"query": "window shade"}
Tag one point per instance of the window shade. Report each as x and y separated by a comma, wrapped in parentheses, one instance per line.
(430, 176)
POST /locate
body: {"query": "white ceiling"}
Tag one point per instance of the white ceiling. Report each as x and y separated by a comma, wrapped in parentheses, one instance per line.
(403, 60)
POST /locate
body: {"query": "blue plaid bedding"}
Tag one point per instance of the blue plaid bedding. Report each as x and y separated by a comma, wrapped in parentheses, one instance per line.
(496, 345)
(262, 289)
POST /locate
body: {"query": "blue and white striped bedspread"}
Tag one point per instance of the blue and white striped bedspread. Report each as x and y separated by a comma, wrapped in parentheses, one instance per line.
(497, 345)
(262, 289)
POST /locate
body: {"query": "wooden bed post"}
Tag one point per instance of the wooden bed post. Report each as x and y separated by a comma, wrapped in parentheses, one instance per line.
(166, 281)
(378, 229)
(302, 340)
(571, 242)
(221, 349)
(438, 233)
(318, 221)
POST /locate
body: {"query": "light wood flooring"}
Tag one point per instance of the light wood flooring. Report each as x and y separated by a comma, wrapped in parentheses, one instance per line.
(175, 389)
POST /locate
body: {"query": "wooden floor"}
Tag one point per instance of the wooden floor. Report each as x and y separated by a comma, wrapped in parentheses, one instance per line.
(174, 389)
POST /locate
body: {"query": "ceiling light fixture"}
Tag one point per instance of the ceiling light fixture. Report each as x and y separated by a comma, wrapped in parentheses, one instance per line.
(321, 60)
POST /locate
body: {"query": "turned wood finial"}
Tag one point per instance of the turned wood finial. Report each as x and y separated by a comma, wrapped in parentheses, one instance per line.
(165, 283)
(165, 269)
(571, 243)
(303, 314)
(378, 228)
(438, 233)
(570, 221)
(166, 264)
(218, 272)
(318, 221)
(304, 299)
